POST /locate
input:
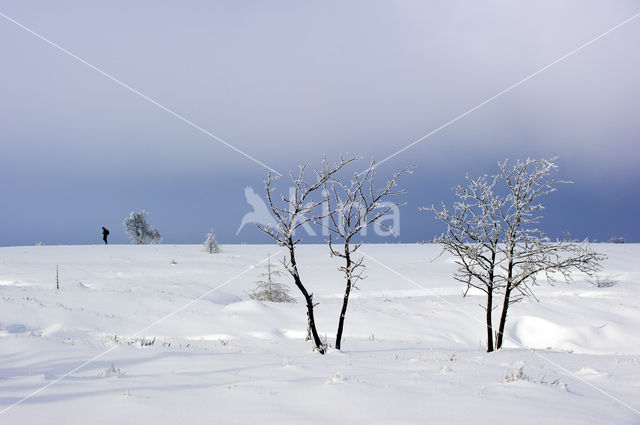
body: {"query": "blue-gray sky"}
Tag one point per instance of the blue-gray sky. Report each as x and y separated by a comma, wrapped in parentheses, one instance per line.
(291, 81)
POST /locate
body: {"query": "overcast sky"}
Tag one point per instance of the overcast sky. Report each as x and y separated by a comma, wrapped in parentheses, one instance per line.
(291, 81)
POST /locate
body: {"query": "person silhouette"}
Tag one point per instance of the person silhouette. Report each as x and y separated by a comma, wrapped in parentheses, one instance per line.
(105, 233)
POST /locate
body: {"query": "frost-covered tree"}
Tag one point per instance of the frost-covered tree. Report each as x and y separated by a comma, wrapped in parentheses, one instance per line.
(269, 288)
(140, 232)
(472, 237)
(352, 207)
(211, 245)
(291, 213)
(493, 233)
(528, 253)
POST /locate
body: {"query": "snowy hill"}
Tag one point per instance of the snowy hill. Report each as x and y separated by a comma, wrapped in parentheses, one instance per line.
(167, 334)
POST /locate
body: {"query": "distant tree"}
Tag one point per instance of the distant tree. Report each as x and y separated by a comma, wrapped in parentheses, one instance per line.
(139, 231)
(352, 207)
(268, 287)
(473, 234)
(616, 239)
(291, 213)
(565, 236)
(528, 254)
(211, 245)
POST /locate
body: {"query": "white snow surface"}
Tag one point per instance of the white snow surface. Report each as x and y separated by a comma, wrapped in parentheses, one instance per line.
(166, 334)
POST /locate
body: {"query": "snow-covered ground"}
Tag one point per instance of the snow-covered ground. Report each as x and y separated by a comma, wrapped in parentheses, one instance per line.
(127, 340)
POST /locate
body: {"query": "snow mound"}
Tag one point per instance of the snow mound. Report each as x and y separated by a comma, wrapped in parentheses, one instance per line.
(223, 298)
(245, 307)
(587, 371)
(210, 337)
(294, 333)
(535, 332)
(81, 286)
(266, 335)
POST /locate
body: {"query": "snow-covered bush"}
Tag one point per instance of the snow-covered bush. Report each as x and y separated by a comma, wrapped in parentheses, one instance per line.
(210, 244)
(111, 371)
(519, 375)
(602, 281)
(141, 342)
(516, 375)
(616, 239)
(140, 232)
(269, 289)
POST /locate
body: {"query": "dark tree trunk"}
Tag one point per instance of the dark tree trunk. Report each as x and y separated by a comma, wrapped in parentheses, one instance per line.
(503, 318)
(490, 303)
(489, 321)
(345, 300)
(308, 337)
(505, 304)
(309, 300)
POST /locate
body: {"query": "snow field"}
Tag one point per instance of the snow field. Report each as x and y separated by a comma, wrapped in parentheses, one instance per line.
(410, 355)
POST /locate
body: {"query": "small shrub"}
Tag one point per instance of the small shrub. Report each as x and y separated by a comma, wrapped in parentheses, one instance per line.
(110, 372)
(519, 375)
(602, 281)
(269, 289)
(516, 375)
(211, 245)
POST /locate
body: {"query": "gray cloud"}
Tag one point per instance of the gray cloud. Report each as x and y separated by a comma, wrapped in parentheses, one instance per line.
(290, 81)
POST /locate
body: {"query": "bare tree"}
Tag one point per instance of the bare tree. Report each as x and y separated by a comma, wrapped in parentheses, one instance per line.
(528, 254)
(492, 232)
(352, 207)
(472, 236)
(293, 212)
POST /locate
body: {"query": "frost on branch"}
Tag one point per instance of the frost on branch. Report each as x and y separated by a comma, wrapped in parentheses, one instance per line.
(528, 253)
(140, 232)
(293, 211)
(211, 245)
(493, 233)
(473, 235)
(352, 206)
